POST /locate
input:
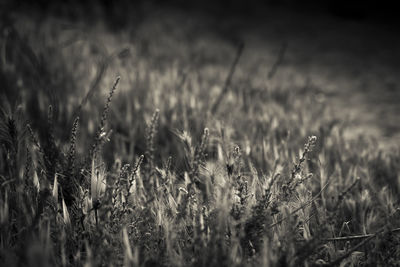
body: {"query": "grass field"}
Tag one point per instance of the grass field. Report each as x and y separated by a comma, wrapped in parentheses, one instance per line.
(166, 143)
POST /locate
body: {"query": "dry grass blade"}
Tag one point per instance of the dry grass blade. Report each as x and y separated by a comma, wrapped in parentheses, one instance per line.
(278, 61)
(100, 134)
(95, 83)
(228, 80)
(36, 143)
(302, 206)
(50, 123)
(307, 148)
(355, 237)
(151, 134)
(72, 144)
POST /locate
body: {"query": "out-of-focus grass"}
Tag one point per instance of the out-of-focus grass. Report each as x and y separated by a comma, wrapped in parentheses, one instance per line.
(231, 188)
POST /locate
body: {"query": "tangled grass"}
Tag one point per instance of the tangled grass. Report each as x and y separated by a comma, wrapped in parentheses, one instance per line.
(215, 177)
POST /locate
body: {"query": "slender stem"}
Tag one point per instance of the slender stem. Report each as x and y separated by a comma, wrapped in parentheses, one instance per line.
(228, 80)
(355, 237)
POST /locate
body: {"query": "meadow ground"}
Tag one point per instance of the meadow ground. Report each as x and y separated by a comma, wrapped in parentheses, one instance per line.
(280, 152)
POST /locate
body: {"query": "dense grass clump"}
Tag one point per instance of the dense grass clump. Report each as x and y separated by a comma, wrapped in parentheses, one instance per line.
(174, 170)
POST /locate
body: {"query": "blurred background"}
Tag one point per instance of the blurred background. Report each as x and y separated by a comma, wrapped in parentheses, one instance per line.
(344, 54)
